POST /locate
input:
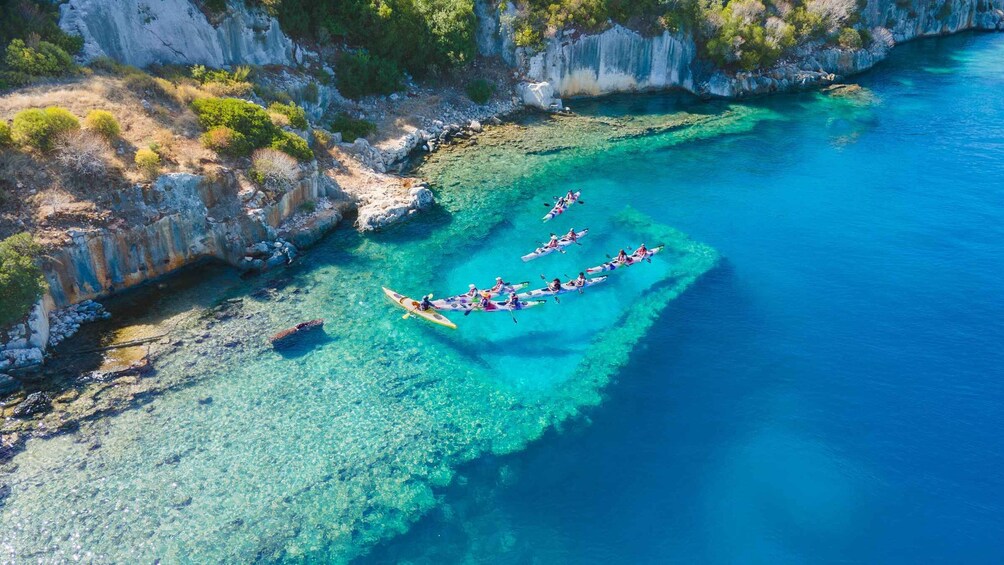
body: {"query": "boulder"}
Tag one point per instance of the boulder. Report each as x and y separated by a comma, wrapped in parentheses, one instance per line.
(538, 95)
(35, 402)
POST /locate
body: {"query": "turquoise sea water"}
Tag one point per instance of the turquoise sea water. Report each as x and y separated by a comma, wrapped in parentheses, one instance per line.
(812, 375)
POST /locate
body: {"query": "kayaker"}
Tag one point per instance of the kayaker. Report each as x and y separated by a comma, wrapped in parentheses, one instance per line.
(472, 291)
(641, 251)
(578, 282)
(572, 236)
(570, 196)
(499, 285)
(622, 257)
(426, 303)
(553, 243)
(554, 285)
(486, 300)
(513, 302)
(560, 203)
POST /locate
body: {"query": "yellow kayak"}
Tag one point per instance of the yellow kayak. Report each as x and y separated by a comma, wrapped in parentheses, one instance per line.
(411, 305)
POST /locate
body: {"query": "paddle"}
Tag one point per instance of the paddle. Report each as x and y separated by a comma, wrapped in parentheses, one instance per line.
(548, 286)
(513, 314)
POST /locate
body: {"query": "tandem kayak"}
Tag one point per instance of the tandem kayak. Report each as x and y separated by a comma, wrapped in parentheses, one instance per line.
(411, 305)
(562, 242)
(631, 260)
(464, 301)
(565, 287)
(560, 208)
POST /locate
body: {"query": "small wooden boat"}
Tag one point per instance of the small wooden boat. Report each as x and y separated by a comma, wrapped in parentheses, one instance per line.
(288, 336)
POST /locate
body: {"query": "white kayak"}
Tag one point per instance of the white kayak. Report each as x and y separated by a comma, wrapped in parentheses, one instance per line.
(562, 206)
(631, 260)
(562, 242)
(464, 301)
(565, 287)
(503, 307)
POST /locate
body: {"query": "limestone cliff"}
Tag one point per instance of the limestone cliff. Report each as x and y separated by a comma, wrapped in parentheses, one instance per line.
(141, 32)
(622, 60)
(179, 220)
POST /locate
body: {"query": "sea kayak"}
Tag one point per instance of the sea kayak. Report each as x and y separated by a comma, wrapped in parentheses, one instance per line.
(464, 301)
(565, 287)
(560, 208)
(631, 260)
(562, 242)
(411, 305)
(503, 307)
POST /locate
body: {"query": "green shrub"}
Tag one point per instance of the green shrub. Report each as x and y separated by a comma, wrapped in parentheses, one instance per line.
(21, 280)
(321, 138)
(311, 93)
(360, 74)
(39, 128)
(148, 162)
(849, 38)
(527, 36)
(5, 138)
(293, 145)
(246, 118)
(866, 37)
(480, 90)
(45, 60)
(297, 116)
(215, 6)
(252, 122)
(308, 207)
(351, 128)
(103, 123)
(226, 141)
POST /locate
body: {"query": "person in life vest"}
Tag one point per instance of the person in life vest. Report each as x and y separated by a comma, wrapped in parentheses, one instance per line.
(513, 302)
(499, 285)
(569, 197)
(622, 257)
(472, 291)
(486, 300)
(560, 203)
(572, 236)
(553, 243)
(641, 252)
(579, 281)
(554, 285)
(426, 303)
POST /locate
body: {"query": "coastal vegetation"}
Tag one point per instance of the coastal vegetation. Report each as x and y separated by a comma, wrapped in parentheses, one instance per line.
(39, 128)
(248, 127)
(34, 45)
(351, 128)
(480, 90)
(21, 281)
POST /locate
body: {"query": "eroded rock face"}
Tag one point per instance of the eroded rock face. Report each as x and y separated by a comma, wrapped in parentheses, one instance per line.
(616, 60)
(138, 32)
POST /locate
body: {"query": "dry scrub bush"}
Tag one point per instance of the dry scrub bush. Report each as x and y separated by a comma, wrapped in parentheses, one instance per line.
(82, 152)
(274, 170)
(280, 120)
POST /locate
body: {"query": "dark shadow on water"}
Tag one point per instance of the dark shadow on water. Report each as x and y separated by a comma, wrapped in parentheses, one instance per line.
(305, 344)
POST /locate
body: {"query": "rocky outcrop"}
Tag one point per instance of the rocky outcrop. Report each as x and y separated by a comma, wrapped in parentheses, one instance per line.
(179, 220)
(616, 60)
(142, 32)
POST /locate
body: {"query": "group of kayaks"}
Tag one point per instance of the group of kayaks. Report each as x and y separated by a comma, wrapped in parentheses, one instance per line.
(515, 296)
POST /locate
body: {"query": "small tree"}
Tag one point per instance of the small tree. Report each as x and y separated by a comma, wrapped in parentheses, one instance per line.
(103, 123)
(148, 162)
(274, 170)
(40, 128)
(21, 280)
(480, 90)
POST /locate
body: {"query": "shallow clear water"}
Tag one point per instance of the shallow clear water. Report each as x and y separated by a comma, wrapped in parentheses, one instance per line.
(827, 391)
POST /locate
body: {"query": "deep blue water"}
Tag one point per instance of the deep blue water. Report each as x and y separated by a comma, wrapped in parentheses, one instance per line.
(833, 391)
